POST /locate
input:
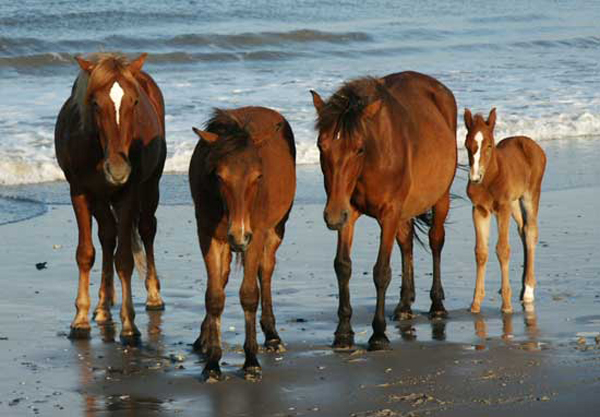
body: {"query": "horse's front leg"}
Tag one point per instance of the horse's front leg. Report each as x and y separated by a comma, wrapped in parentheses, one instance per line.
(249, 298)
(147, 230)
(404, 237)
(437, 235)
(382, 274)
(344, 336)
(503, 253)
(481, 221)
(80, 327)
(265, 274)
(107, 234)
(217, 259)
(124, 263)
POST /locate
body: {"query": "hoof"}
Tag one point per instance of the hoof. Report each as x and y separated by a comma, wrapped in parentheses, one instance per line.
(79, 333)
(475, 308)
(507, 310)
(379, 343)
(274, 345)
(527, 294)
(155, 307)
(253, 373)
(211, 373)
(343, 341)
(102, 316)
(403, 313)
(438, 312)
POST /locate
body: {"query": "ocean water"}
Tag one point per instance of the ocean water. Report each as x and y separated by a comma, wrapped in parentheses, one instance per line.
(537, 61)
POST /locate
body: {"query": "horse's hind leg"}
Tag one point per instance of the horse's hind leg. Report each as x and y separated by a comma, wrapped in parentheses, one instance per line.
(217, 258)
(437, 236)
(249, 298)
(80, 327)
(530, 204)
(518, 214)
(265, 273)
(107, 233)
(344, 336)
(404, 237)
(147, 229)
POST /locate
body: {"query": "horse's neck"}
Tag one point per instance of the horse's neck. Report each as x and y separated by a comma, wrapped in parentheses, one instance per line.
(494, 168)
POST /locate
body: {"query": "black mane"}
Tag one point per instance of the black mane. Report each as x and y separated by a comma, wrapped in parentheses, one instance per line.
(233, 137)
(343, 111)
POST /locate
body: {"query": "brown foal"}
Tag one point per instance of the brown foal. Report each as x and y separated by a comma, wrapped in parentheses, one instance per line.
(243, 180)
(110, 143)
(504, 179)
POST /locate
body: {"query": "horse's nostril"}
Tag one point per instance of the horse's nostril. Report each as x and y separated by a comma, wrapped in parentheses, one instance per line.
(344, 216)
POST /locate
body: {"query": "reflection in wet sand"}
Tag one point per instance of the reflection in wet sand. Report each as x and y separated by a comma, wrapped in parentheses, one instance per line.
(508, 334)
(438, 329)
(111, 361)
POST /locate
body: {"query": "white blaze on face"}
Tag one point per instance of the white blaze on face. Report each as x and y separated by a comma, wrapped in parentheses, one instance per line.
(116, 95)
(475, 174)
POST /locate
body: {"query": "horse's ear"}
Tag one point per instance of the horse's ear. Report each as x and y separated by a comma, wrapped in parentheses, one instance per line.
(468, 119)
(491, 121)
(137, 64)
(84, 64)
(317, 101)
(205, 136)
(372, 109)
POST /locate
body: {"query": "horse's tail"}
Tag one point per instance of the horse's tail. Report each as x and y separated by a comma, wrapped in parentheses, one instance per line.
(423, 222)
(139, 254)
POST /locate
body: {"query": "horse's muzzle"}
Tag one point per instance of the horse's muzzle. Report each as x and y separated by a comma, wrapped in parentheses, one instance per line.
(336, 223)
(239, 245)
(117, 173)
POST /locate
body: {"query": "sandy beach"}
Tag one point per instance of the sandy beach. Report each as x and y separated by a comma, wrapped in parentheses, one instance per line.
(544, 362)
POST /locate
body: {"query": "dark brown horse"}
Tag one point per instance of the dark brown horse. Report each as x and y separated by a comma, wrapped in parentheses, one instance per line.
(243, 180)
(388, 150)
(504, 179)
(110, 143)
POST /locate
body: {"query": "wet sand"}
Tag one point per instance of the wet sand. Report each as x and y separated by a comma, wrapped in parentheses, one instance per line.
(545, 362)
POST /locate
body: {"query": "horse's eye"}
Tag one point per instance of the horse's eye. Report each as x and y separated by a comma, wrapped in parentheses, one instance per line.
(361, 150)
(95, 106)
(259, 177)
(135, 103)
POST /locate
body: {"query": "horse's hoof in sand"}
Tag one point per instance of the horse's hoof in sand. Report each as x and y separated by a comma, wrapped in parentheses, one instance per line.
(475, 308)
(274, 345)
(252, 373)
(102, 316)
(403, 313)
(527, 296)
(211, 373)
(80, 333)
(131, 337)
(379, 343)
(343, 341)
(155, 307)
(438, 313)
(507, 310)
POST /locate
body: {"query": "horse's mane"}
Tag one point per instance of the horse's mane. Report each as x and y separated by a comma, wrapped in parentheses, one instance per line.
(233, 137)
(107, 66)
(344, 109)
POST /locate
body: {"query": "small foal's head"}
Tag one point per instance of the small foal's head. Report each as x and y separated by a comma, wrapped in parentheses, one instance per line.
(343, 130)
(479, 143)
(236, 166)
(113, 95)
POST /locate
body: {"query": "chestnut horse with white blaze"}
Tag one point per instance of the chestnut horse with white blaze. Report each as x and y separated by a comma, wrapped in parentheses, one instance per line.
(504, 179)
(388, 150)
(110, 144)
(243, 180)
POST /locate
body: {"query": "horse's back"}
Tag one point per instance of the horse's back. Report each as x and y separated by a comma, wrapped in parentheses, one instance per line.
(410, 87)
(525, 154)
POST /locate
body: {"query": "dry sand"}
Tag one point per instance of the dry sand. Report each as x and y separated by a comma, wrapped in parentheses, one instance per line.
(545, 362)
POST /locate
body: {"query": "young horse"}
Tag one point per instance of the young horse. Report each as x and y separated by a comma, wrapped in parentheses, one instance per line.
(388, 150)
(504, 179)
(243, 179)
(110, 143)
